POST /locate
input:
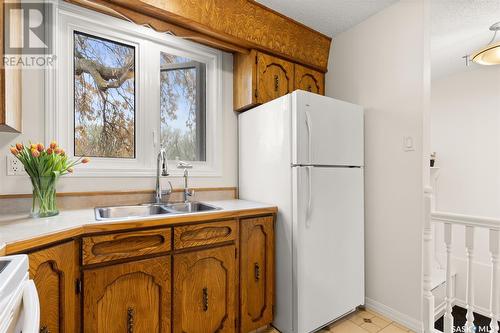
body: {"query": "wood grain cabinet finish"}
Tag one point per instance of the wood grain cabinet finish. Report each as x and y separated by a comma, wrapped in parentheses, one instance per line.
(309, 80)
(205, 291)
(218, 276)
(130, 297)
(243, 24)
(256, 272)
(10, 77)
(55, 273)
(205, 234)
(274, 77)
(260, 78)
(103, 248)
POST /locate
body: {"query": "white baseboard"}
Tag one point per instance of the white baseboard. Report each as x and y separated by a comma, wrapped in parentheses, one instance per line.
(394, 315)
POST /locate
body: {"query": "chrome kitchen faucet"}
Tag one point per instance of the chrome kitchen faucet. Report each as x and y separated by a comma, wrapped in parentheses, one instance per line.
(161, 163)
(185, 166)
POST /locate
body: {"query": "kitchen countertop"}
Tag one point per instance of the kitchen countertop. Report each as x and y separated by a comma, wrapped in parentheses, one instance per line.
(20, 232)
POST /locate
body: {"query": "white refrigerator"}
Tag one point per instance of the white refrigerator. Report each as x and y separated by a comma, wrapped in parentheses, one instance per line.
(304, 153)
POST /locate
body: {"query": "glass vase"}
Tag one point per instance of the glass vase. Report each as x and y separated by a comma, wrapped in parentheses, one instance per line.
(44, 196)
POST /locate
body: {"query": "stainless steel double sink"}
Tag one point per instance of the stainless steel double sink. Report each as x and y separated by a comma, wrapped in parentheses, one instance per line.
(145, 210)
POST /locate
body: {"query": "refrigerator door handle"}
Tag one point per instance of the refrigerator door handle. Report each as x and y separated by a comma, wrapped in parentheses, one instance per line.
(309, 136)
(309, 195)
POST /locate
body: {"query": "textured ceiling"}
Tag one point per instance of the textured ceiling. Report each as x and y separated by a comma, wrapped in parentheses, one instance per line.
(459, 27)
(328, 16)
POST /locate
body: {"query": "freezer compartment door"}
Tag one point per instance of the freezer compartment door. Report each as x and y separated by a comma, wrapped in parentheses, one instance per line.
(328, 235)
(327, 131)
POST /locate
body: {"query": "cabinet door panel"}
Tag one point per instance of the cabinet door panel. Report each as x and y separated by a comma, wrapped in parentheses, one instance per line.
(204, 291)
(55, 271)
(132, 297)
(274, 77)
(309, 80)
(205, 234)
(102, 248)
(257, 272)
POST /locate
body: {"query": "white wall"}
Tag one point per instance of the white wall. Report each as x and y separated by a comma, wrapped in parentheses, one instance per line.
(465, 133)
(380, 65)
(33, 124)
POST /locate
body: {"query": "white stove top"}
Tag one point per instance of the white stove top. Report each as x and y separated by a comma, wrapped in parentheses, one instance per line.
(13, 277)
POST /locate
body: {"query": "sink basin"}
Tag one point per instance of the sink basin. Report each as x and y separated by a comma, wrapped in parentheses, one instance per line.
(104, 213)
(191, 207)
(144, 210)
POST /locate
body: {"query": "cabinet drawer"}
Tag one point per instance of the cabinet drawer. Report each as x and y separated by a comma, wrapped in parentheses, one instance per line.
(97, 249)
(205, 234)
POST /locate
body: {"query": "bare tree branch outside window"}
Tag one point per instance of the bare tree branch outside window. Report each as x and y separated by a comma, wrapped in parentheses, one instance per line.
(182, 107)
(104, 88)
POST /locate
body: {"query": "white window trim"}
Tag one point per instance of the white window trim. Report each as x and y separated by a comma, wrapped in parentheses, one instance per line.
(148, 44)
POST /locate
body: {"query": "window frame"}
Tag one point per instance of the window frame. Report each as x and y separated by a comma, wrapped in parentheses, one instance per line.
(75, 32)
(59, 115)
(200, 102)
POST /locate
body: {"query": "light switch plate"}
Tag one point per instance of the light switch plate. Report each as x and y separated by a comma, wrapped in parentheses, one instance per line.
(14, 166)
(408, 144)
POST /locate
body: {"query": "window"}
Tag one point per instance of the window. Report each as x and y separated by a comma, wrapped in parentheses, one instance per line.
(120, 92)
(104, 97)
(182, 107)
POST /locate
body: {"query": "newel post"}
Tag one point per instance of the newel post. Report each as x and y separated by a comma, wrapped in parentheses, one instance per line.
(428, 297)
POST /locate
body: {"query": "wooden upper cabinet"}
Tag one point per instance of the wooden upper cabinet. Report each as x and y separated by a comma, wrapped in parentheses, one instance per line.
(130, 297)
(205, 291)
(256, 272)
(274, 78)
(10, 77)
(309, 80)
(260, 78)
(55, 272)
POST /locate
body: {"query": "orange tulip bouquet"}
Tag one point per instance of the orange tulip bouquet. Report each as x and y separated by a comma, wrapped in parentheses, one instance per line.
(44, 167)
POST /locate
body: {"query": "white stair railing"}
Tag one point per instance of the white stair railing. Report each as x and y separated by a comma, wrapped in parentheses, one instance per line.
(471, 223)
(448, 317)
(495, 288)
(469, 249)
(428, 297)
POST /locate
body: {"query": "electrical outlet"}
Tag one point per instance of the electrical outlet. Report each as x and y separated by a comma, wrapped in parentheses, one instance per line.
(14, 166)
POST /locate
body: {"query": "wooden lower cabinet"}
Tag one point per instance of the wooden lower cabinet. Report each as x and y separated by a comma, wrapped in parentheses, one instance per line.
(256, 272)
(217, 278)
(55, 273)
(131, 297)
(204, 291)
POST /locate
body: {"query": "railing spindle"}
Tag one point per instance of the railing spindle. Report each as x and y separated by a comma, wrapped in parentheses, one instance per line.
(495, 288)
(469, 247)
(448, 316)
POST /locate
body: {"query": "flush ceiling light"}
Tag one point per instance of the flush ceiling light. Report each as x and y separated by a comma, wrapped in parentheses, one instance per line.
(490, 54)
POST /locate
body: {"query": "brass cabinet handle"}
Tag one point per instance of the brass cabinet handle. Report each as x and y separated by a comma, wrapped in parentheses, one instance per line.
(130, 320)
(276, 83)
(256, 269)
(44, 329)
(205, 299)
